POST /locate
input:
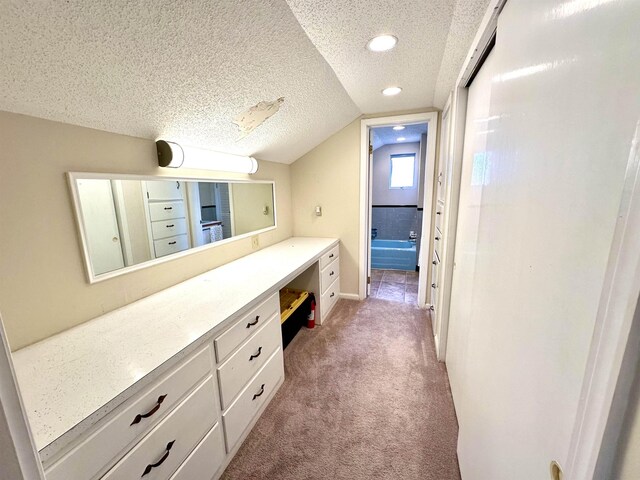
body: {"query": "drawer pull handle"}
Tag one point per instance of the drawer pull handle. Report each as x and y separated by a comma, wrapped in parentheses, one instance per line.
(331, 274)
(332, 294)
(139, 417)
(434, 262)
(170, 226)
(438, 213)
(331, 256)
(251, 324)
(433, 285)
(151, 466)
(437, 238)
(168, 208)
(259, 393)
(256, 355)
(172, 243)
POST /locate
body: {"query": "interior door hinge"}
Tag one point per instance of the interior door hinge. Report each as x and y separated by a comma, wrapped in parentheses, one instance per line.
(370, 149)
(368, 280)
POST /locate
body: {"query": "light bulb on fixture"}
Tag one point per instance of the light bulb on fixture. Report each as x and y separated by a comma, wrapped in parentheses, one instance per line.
(398, 127)
(173, 155)
(401, 139)
(391, 91)
(382, 43)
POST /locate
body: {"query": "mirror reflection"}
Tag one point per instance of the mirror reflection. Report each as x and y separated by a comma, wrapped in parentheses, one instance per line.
(126, 222)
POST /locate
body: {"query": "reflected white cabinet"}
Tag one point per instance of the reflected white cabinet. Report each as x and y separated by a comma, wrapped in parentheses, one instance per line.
(166, 214)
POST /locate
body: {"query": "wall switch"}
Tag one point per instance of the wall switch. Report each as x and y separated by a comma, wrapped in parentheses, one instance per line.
(254, 242)
(318, 211)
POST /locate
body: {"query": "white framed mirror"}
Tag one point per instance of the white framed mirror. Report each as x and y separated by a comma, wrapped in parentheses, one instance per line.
(129, 222)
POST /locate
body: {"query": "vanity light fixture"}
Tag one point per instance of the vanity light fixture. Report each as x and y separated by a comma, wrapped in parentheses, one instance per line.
(398, 127)
(382, 43)
(173, 155)
(391, 91)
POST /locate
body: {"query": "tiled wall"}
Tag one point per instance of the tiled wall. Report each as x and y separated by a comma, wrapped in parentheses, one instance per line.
(395, 223)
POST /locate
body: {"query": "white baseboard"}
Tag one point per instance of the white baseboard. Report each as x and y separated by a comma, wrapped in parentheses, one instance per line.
(350, 296)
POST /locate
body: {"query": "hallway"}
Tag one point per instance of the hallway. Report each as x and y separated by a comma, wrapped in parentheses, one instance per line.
(363, 398)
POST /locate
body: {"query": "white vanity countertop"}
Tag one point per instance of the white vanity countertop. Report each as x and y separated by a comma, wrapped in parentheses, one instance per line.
(71, 380)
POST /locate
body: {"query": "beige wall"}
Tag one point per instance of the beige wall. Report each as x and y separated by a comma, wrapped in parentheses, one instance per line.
(329, 176)
(43, 286)
(249, 201)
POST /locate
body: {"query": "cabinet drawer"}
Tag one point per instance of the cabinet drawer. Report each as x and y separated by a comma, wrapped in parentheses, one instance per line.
(168, 228)
(165, 189)
(244, 363)
(439, 214)
(329, 298)
(239, 415)
(205, 460)
(172, 440)
(111, 439)
(329, 274)
(438, 238)
(329, 257)
(170, 245)
(246, 326)
(166, 210)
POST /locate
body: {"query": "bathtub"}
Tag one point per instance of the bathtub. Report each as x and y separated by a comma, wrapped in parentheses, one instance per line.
(393, 254)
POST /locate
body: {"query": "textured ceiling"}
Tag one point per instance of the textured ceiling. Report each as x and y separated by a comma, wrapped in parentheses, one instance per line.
(175, 69)
(387, 135)
(184, 69)
(340, 29)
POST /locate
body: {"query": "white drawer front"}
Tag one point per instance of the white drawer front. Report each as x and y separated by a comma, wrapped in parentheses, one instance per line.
(243, 410)
(246, 326)
(110, 440)
(165, 189)
(205, 460)
(244, 363)
(166, 210)
(169, 228)
(329, 275)
(170, 245)
(172, 440)
(329, 298)
(329, 257)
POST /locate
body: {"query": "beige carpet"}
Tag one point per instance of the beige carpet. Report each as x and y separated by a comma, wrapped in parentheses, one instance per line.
(364, 398)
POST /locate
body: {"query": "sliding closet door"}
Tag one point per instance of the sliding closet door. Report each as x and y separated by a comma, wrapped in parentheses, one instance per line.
(551, 119)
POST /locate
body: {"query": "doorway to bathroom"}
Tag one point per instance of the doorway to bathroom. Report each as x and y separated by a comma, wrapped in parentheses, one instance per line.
(398, 159)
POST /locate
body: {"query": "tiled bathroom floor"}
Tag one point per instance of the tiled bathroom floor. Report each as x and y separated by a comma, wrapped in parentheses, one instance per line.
(395, 285)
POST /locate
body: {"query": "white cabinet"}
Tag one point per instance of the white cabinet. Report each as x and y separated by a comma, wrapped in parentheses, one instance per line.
(205, 461)
(140, 414)
(329, 281)
(166, 217)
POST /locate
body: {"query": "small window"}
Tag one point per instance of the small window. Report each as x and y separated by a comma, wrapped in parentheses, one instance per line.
(402, 170)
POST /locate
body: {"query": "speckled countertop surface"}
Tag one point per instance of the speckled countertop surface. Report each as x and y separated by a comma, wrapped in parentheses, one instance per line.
(70, 381)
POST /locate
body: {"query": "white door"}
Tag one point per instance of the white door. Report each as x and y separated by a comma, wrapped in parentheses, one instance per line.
(550, 122)
(101, 225)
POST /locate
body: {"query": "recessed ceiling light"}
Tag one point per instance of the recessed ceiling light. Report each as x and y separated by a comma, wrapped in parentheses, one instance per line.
(382, 43)
(401, 139)
(390, 91)
(398, 127)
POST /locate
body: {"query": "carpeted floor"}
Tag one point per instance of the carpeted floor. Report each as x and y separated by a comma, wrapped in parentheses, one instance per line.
(363, 398)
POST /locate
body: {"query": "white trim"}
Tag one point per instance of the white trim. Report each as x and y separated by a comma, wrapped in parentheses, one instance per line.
(93, 278)
(19, 432)
(350, 296)
(431, 118)
(611, 333)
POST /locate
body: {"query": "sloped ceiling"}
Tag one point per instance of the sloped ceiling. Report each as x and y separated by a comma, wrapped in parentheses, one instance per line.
(388, 136)
(182, 70)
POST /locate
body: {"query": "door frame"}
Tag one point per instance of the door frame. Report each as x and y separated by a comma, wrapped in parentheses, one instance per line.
(15, 430)
(431, 119)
